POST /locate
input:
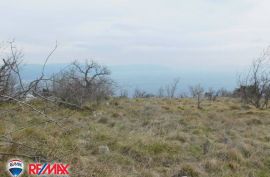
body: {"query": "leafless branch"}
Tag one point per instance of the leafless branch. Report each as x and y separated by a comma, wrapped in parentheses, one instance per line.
(34, 109)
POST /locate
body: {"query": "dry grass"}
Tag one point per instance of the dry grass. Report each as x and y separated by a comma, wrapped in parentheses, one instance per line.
(146, 137)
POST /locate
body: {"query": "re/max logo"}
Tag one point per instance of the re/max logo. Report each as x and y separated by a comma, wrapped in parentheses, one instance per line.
(48, 169)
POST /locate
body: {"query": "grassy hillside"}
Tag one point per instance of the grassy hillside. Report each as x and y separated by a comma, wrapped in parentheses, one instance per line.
(142, 138)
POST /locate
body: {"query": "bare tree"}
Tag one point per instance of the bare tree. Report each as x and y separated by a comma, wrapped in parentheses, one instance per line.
(171, 88)
(254, 86)
(10, 78)
(183, 95)
(222, 92)
(11, 82)
(71, 87)
(6, 75)
(160, 93)
(123, 93)
(197, 92)
(14, 89)
(211, 94)
(266, 96)
(139, 93)
(83, 82)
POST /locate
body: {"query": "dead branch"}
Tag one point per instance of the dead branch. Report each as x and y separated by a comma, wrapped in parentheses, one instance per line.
(8, 140)
(33, 157)
(34, 109)
(57, 101)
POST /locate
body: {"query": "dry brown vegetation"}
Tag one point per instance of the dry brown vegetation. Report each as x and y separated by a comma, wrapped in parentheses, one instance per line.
(150, 137)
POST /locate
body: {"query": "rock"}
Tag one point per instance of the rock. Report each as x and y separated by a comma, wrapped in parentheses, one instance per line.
(103, 149)
(29, 97)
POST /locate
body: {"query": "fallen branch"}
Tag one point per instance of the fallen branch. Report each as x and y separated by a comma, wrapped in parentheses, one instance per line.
(34, 109)
(58, 101)
(7, 140)
(33, 157)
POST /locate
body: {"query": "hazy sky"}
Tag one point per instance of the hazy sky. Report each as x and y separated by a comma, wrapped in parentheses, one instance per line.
(191, 33)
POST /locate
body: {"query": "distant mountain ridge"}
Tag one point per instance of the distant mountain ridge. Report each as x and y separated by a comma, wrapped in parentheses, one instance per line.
(147, 77)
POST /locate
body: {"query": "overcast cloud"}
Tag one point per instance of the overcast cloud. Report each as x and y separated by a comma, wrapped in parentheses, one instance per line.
(190, 33)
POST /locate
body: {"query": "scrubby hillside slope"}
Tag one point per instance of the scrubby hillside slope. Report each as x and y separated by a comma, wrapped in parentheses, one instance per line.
(142, 138)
